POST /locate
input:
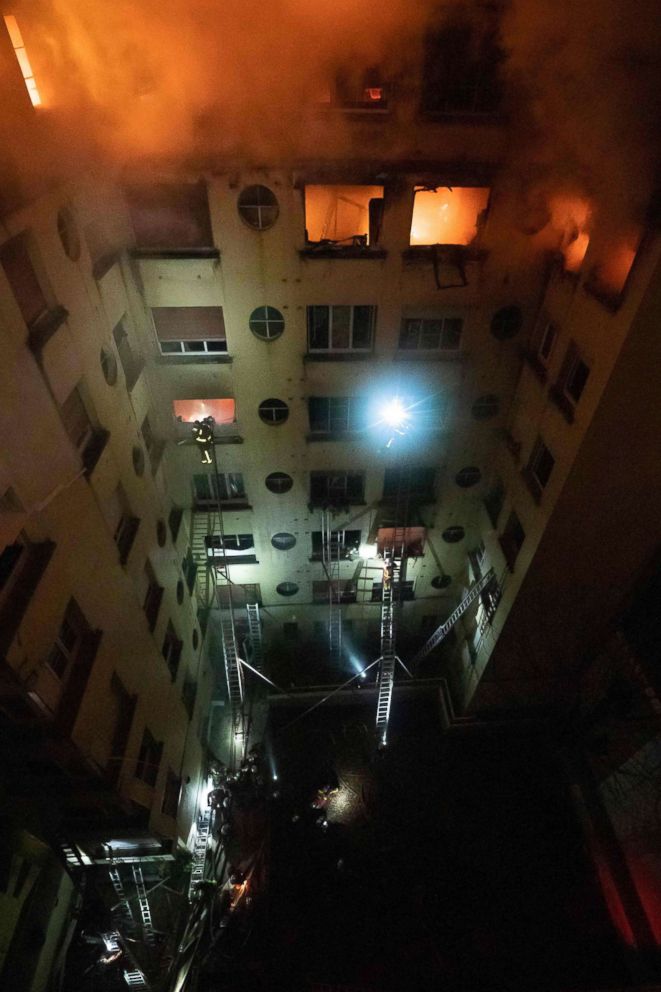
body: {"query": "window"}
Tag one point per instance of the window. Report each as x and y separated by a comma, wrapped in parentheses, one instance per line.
(174, 522)
(343, 591)
(226, 486)
(223, 410)
(266, 323)
(343, 215)
(494, 501)
(131, 365)
(189, 568)
(122, 522)
(511, 540)
(286, 588)
(468, 476)
(171, 650)
(69, 638)
(170, 217)
(153, 596)
(273, 411)
(231, 547)
(290, 630)
(190, 330)
(337, 414)
(403, 591)
(247, 592)
(431, 334)
(76, 420)
(538, 471)
(283, 541)
(278, 482)
(22, 57)
(336, 487)
(461, 69)
(188, 694)
(452, 535)
(24, 283)
(171, 793)
(357, 89)
(506, 323)
(258, 207)
(154, 449)
(340, 328)
(448, 216)
(573, 375)
(347, 541)
(485, 407)
(108, 364)
(149, 758)
(547, 338)
(409, 483)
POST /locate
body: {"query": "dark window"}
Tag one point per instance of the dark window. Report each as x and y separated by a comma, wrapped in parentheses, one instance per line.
(188, 694)
(266, 323)
(547, 338)
(131, 364)
(506, 323)
(127, 528)
(346, 541)
(227, 487)
(343, 590)
(153, 597)
(258, 207)
(437, 334)
(171, 793)
(337, 414)
(405, 591)
(171, 650)
(468, 477)
(283, 541)
(76, 420)
(15, 260)
(441, 581)
(149, 758)
(8, 561)
(290, 630)
(273, 411)
(460, 70)
(248, 592)
(64, 652)
(108, 364)
(573, 374)
(278, 482)
(409, 483)
(340, 328)
(174, 521)
(541, 463)
(494, 501)
(512, 539)
(189, 568)
(190, 330)
(485, 407)
(340, 487)
(170, 216)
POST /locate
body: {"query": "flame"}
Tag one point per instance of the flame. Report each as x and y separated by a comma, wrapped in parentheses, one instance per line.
(570, 217)
(447, 216)
(338, 212)
(190, 410)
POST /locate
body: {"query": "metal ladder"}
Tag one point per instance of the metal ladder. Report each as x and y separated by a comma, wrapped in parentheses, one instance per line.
(331, 551)
(135, 979)
(388, 656)
(123, 912)
(458, 612)
(255, 636)
(200, 850)
(233, 673)
(203, 523)
(143, 902)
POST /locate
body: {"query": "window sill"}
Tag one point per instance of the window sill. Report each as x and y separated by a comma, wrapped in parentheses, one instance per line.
(533, 362)
(433, 355)
(564, 405)
(94, 449)
(166, 253)
(206, 358)
(218, 439)
(338, 356)
(532, 484)
(40, 331)
(342, 251)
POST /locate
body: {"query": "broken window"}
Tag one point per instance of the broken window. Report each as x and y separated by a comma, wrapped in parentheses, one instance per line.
(461, 68)
(188, 411)
(445, 215)
(343, 215)
(343, 590)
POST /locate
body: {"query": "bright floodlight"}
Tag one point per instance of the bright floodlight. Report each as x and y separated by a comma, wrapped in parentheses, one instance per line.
(367, 551)
(394, 412)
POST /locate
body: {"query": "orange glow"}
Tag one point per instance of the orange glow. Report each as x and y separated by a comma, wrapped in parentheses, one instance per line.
(338, 213)
(570, 217)
(22, 58)
(612, 271)
(190, 410)
(447, 216)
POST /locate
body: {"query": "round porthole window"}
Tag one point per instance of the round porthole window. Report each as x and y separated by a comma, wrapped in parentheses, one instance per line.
(180, 591)
(279, 482)
(68, 233)
(287, 588)
(273, 411)
(161, 533)
(467, 477)
(441, 581)
(138, 457)
(266, 323)
(506, 323)
(108, 365)
(283, 541)
(258, 207)
(451, 535)
(196, 639)
(485, 407)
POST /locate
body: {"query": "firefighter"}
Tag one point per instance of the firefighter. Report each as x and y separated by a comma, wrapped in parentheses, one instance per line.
(203, 436)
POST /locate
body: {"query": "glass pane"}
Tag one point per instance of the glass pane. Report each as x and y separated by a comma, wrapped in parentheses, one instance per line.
(318, 411)
(451, 332)
(354, 485)
(171, 347)
(339, 413)
(202, 487)
(362, 327)
(408, 337)
(431, 334)
(235, 485)
(216, 345)
(194, 346)
(341, 327)
(318, 327)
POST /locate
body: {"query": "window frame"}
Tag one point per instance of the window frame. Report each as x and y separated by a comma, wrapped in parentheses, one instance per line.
(331, 498)
(75, 621)
(330, 348)
(440, 347)
(356, 409)
(227, 479)
(171, 650)
(230, 548)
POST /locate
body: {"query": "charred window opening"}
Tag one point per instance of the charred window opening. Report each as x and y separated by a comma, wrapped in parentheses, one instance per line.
(170, 218)
(448, 215)
(609, 276)
(461, 71)
(343, 217)
(356, 89)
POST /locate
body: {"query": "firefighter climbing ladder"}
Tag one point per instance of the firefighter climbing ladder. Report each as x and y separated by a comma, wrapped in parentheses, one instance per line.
(331, 552)
(393, 563)
(448, 624)
(255, 636)
(143, 902)
(200, 850)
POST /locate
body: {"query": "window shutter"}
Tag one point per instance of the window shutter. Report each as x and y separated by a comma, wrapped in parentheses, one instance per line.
(189, 323)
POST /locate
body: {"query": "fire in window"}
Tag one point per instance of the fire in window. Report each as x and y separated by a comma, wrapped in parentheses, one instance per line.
(188, 411)
(445, 215)
(343, 215)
